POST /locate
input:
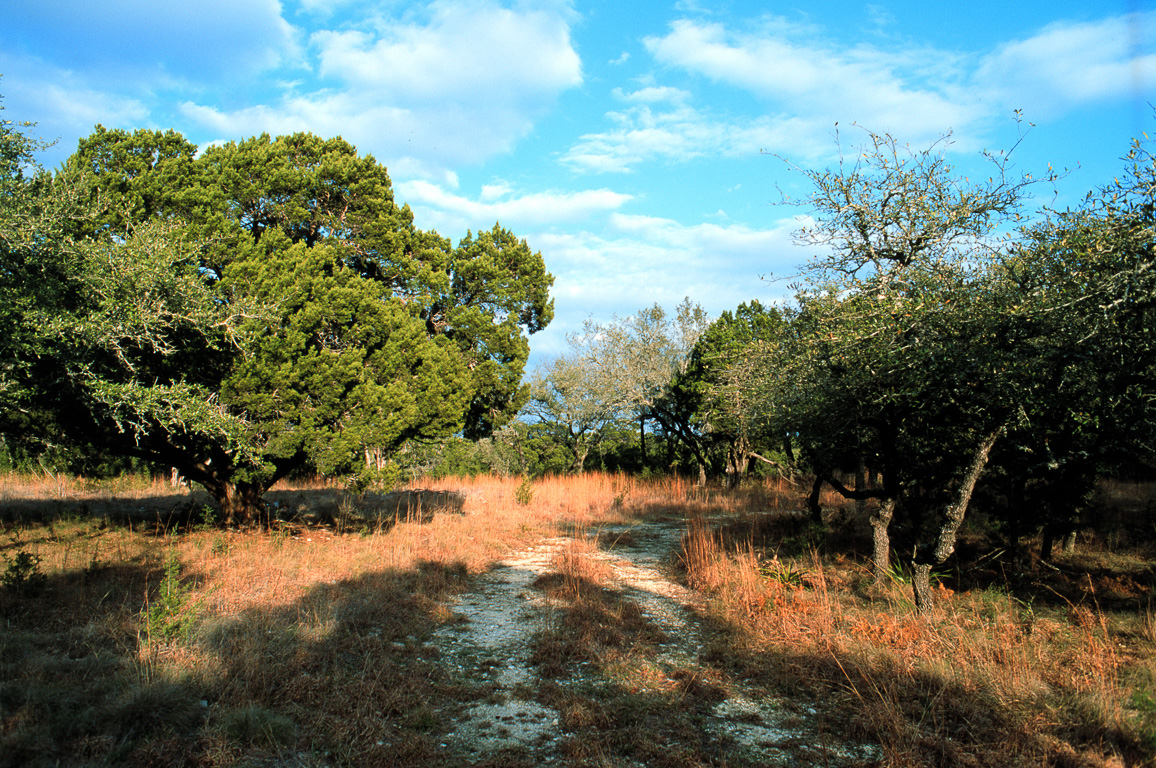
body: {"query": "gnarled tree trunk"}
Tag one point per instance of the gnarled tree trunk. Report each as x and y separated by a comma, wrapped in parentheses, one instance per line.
(241, 503)
(881, 539)
(738, 456)
(953, 518)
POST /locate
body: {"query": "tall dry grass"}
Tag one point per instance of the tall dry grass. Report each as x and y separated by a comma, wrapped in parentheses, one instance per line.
(989, 679)
(310, 638)
(310, 642)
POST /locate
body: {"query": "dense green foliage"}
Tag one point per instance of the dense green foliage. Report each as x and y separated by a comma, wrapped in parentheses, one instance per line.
(260, 308)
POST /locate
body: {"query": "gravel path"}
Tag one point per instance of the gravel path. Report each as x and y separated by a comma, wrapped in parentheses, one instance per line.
(500, 616)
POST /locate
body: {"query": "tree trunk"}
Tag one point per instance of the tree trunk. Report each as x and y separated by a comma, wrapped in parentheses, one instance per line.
(521, 456)
(1065, 532)
(240, 503)
(1047, 546)
(580, 451)
(813, 501)
(1070, 542)
(374, 458)
(737, 458)
(860, 485)
(953, 519)
(921, 583)
(881, 536)
(642, 438)
(1016, 514)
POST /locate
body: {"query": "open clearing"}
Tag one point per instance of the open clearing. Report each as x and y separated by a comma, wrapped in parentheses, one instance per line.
(607, 622)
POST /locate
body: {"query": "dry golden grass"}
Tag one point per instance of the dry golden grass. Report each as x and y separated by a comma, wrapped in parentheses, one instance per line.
(310, 637)
(309, 643)
(987, 680)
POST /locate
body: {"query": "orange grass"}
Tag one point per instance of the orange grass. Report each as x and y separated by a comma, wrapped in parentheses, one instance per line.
(312, 640)
(985, 679)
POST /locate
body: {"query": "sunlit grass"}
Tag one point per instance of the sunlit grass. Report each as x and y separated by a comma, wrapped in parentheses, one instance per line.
(314, 636)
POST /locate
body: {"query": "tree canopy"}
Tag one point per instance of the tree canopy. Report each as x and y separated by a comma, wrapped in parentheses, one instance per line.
(258, 308)
(921, 346)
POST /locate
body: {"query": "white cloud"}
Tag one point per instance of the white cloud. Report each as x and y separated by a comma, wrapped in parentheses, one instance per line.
(683, 133)
(492, 192)
(457, 87)
(61, 103)
(466, 52)
(823, 82)
(802, 84)
(737, 241)
(640, 260)
(1069, 64)
(324, 7)
(652, 95)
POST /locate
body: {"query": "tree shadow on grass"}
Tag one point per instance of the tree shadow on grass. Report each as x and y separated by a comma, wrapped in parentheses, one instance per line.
(183, 510)
(343, 676)
(601, 655)
(72, 688)
(351, 665)
(923, 718)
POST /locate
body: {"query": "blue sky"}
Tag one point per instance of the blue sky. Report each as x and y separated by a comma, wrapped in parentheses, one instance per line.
(633, 144)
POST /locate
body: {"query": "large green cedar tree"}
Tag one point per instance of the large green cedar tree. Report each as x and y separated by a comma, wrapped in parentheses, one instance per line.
(264, 307)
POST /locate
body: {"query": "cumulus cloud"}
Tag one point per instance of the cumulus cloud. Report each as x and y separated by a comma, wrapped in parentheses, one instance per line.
(682, 132)
(61, 103)
(465, 52)
(636, 261)
(813, 77)
(323, 7)
(460, 85)
(652, 95)
(801, 84)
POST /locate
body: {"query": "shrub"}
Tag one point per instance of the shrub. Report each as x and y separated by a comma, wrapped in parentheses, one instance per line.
(258, 725)
(524, 493)
(171, 616)
(22, 576)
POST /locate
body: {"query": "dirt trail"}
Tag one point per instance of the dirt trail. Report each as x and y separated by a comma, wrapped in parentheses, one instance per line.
(492, 644)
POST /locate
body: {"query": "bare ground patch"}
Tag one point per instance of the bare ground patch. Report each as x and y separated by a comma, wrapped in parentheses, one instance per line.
(593, 654)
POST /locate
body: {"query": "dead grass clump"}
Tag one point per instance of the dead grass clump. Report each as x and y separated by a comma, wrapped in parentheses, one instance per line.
(257, 725)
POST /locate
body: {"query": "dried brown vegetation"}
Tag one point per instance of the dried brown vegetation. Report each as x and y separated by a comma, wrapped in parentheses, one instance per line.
(309, 643)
